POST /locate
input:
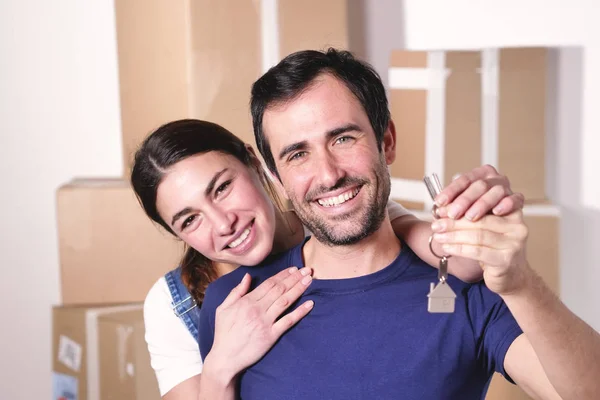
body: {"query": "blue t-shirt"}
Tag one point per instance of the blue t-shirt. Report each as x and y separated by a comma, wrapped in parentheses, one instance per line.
(372, 337)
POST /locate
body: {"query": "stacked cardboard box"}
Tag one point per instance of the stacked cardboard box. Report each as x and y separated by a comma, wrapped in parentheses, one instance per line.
(177, 59)
(100, 353)
(110, 254)
(110, 251)
(455, 110)
(199, 58)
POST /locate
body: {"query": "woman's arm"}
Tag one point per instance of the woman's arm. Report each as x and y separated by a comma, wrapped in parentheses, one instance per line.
(174, 352)
(200, 387)
(416, 234)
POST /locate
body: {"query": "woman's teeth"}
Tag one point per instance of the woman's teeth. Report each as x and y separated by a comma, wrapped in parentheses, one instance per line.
(337, 200)
(239, 240)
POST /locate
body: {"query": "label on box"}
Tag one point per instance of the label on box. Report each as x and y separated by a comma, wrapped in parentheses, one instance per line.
(64, 387)
(69, 353)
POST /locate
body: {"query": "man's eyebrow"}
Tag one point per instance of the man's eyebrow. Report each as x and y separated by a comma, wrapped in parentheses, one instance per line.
(342, 129)
(293, 147)
(207, 192)
(329, 134)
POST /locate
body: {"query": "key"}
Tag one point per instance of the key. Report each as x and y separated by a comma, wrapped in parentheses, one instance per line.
(441, 297)
(432, 182)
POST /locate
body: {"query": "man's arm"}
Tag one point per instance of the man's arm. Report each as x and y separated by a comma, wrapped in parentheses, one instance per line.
(567, 350)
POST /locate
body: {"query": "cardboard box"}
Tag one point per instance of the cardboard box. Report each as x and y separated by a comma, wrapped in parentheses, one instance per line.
(100, 353)
(199, 58)
(110, 251)
(456, 110)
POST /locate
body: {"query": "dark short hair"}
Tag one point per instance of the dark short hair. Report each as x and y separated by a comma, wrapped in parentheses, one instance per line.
(295, 74)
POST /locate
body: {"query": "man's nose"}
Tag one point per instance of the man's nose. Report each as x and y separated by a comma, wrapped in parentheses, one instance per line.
(328, 170)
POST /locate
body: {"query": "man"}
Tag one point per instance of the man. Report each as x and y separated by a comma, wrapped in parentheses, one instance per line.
(322, 125)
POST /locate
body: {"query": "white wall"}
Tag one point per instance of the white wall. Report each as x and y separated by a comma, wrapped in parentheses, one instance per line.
(59, 117)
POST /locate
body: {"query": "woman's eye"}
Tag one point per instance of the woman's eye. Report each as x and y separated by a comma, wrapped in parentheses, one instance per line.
(222, 187)
(188, 221)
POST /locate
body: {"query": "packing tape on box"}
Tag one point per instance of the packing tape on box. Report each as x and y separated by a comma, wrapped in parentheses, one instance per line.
(269, 32)
(489, 106)
(435, 133)
(433, 79)
(416, 78)
(408, 190)
(415, 191)
(93, 345)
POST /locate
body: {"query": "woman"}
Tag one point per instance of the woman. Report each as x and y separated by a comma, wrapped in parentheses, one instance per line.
(192, 174)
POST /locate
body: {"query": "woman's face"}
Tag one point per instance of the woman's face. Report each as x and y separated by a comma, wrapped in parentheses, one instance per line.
(218, 206)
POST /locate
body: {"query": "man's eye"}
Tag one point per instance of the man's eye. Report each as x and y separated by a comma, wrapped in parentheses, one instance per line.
(222, 187)
(344, 139)
(297, 155)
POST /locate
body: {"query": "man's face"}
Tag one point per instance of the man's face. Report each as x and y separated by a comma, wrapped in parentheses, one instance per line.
(330, 166)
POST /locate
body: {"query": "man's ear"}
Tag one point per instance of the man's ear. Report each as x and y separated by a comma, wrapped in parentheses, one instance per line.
(253, 157)
(277, 183)
(389, 143)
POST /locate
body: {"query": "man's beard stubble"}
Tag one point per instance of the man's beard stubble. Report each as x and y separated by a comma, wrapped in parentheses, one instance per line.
(370, 221)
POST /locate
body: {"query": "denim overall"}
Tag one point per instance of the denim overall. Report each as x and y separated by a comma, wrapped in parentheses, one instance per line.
(183, 304)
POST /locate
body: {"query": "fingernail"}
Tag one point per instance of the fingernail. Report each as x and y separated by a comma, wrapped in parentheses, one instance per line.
(441, 200)
(471, 215)
(447, 247)
(453, 211)
(305, 271)
(292, 270)
(437, 226)
(497, 210)
(309, 304)
(306, 280)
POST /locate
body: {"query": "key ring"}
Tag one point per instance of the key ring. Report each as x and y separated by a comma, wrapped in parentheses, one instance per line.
(433, 252)
(434, 211)
(443, 269)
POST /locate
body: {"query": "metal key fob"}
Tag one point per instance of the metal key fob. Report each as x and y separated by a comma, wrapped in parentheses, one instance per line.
(441, 297)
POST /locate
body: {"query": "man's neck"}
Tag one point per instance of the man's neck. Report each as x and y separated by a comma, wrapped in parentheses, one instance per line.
(288, 231)
(370, 255)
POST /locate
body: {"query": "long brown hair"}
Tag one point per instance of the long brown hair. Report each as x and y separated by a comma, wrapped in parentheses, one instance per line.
(169, 144)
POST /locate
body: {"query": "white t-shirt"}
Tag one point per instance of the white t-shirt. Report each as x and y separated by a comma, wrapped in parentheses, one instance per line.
(174, 352)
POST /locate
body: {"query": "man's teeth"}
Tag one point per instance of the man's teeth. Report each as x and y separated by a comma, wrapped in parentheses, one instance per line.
(239, 240)
(337, 200)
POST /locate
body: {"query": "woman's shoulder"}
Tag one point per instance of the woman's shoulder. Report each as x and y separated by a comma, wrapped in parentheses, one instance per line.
(174, 352)
(159, 295)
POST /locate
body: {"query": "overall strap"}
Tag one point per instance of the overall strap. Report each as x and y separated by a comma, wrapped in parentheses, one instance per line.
(183, 304)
